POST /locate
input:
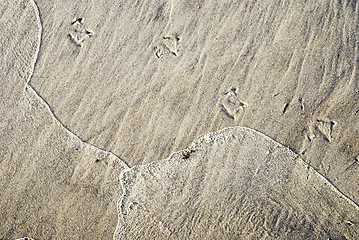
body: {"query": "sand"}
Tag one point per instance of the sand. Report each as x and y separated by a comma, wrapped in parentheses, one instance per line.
(91, 88)
(53, 185)
(233, 184)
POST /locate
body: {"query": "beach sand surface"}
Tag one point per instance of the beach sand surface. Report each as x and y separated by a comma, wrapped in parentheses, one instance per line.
(143, 79)
(90, 88)
(234, 184)
(52, 185)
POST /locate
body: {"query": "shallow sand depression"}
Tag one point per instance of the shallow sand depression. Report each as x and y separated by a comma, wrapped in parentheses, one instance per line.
(92, 90)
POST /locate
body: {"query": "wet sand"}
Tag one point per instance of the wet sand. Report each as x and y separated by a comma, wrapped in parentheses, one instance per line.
(94, 89)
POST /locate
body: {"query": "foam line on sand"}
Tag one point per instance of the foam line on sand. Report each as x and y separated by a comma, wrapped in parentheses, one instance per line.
(236, 169)
(29, 90)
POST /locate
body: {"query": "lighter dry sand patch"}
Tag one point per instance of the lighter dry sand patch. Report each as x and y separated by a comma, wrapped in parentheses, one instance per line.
(234, 184)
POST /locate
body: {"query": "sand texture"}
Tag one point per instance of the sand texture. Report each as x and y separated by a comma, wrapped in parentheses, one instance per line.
(91, 88)
(143, 79)
(52, 185)
(234, 184)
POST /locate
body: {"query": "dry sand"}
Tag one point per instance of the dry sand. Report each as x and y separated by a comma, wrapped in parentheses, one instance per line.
(91, 87)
